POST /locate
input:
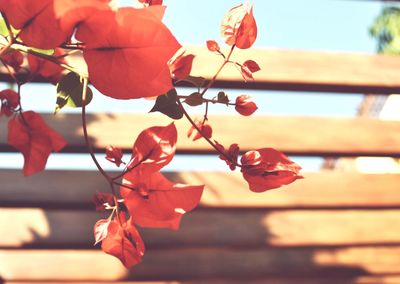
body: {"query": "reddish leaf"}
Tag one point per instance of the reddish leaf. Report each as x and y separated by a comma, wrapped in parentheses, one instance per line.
(244, 106)
(124, 242)
(9, 102)
(268, 168)
(48, 23)
(46, 68)
(155, 147)
(114, 155)
(239, 27)
(102, 200)
(180, 68)
(156, 202)
(35, 140)
(100, 230)
(212, 45)
(206, 130)
(14, 59)
(127, 52)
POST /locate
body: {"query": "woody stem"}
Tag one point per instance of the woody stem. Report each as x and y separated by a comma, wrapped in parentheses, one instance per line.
(205, 137)
(218, 71)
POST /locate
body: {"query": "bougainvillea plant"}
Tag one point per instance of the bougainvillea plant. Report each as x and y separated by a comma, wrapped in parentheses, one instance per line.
(37, 36)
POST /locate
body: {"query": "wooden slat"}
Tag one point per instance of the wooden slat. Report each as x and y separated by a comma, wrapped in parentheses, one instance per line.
(218, 228)
(82, 265)
(301, 70)
(71, 189)
(384, 279)
(292, 135)
(298, 70)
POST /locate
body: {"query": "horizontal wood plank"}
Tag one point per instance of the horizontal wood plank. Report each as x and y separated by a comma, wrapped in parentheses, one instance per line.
(33, 227)
(283, 279)
(296, 70)
(292, 135)
(192, 264)
(330, 189)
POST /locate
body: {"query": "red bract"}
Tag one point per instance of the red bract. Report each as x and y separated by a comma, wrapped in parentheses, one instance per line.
(155, 202)
(48, 23)
(212, 45)
(127, 52)
(206, 130)
(151, 2)
(14, 59)
(244, 106)
(268, 168)
(124, 242)
(231, 156)
(248, 68)
(103, 200)
(239, 27)
(34, 139)
(101, 230)
(45, 68)
(114, 155)
(155, 147)
(180, 68)
(9, 102)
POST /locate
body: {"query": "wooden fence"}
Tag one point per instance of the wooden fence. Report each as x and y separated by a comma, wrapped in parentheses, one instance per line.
(331, 227)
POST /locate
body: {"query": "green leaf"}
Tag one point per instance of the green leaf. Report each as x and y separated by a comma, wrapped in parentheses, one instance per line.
(223, 98)
(69, 92)
(167, 104)
(3, 27)
(4, 30)
(194, 99)
(48, 52)
(198, 82)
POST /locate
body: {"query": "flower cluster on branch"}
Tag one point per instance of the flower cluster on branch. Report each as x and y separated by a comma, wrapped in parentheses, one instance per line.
(130, 54)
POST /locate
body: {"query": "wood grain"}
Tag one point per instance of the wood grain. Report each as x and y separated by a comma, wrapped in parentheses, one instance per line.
(292, 135)
(330, 189)
(195, 264)
(34, 227)
(295, 70)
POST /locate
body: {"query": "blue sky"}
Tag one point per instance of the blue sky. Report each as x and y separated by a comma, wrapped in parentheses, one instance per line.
(329, 25)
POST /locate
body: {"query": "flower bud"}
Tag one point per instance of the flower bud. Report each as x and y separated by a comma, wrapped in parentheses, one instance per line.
(114, 155)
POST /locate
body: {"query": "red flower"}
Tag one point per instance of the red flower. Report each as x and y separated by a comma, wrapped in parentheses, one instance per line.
(45, 68)
(154, 147)
(244, 106)
(122, 241)
(9, 101)
(248, 68)
(103, 200)
(151, 2)
(206, 130)
(14, 59)
(30, 135)
(155, 202)
(268, 168)
(127, 52)
(239, 27)
(48, 23)
(231, 156)
(114, 155)
(181, 66)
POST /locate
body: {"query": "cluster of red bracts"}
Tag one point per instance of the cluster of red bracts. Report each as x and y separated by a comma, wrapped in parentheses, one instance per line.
(152, 201)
